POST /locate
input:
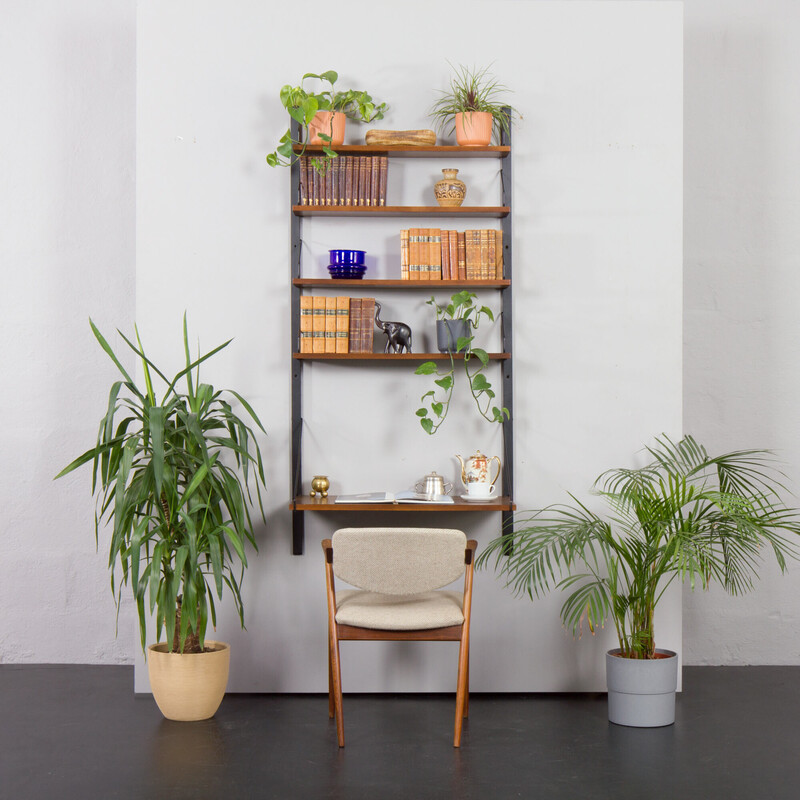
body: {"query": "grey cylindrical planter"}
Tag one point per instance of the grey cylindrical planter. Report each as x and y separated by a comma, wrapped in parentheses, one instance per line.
(448, 332)
(641, 692)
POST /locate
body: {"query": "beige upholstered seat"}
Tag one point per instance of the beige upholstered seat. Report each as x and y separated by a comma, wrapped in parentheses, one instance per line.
(399, 612)
(399, 574)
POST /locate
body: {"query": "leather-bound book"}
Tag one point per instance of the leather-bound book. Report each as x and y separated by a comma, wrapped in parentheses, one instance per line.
(306, 323)
(375, 180)
(367, 331)
(342, 324)
(330, 324)
(453, 245)
(404, 255)
(318, 325)
(355, 325)
(462, 255)
(498, 237)
(304, 193)
(435, 255)
(384, 177)
(485, 254)
(350, 180)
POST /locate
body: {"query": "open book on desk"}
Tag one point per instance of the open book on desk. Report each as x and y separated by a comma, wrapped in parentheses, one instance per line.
(390, 497)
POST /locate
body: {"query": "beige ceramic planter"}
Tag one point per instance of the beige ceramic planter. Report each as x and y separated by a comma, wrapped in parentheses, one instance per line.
(474, 128)
(322, 124)
(188, 686)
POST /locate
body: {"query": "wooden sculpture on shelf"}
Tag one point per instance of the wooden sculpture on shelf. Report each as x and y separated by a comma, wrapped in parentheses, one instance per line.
(398, 333)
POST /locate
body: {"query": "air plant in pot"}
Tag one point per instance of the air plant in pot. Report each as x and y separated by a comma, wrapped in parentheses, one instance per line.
(474, 106)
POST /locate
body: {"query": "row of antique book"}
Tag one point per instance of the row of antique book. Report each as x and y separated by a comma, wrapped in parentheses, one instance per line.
(431, 254)
(347, 181)
(336, 324)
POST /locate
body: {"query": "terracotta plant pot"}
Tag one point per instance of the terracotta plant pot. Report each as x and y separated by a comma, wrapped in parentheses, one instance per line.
(322, 124)
(474, 128)
(188, 686)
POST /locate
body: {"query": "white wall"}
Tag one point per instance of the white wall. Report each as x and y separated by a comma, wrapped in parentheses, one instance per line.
(742, 286)
(67, 89)
(598, 216)
(67, 251)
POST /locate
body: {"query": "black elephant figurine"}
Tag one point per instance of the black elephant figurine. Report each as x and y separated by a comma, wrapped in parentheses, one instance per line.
(398, 333)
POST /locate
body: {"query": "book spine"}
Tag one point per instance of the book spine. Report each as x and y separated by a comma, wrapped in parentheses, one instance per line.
(348, 180)
(414, 250)
(306, 323)
(424, 254)
(473, 248)
(367, 324)
(342, 324)
(499, 271)
(363, 180)
(384, 177)
(462, 255)
(343, 179)
(445, 256)
(334, 170)
(404, 255)
(330, 324)
(318, 325)
(314, 184)
(484, 243)
(453, 244)
(491, 261)
(304, 193)
(435, 268)
(328, 183)
(355, 325)
(375, 180)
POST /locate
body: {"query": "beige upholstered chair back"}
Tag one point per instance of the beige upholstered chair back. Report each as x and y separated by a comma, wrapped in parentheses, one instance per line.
(398, 560)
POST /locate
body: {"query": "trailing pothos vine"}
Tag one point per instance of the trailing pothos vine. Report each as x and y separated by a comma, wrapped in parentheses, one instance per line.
(436, 402)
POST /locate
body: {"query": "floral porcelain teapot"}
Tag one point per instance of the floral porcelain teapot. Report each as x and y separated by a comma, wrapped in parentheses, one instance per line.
(476, 470)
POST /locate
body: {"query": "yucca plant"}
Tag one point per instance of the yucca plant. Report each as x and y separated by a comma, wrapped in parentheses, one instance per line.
(705, 519)
(173, 476)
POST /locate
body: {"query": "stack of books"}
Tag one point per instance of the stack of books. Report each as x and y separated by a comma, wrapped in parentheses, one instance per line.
(432, 254)
(336, 324)
(347, 181)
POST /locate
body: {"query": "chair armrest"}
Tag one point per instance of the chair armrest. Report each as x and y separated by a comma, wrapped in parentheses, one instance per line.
(469, 553)
(327, 548)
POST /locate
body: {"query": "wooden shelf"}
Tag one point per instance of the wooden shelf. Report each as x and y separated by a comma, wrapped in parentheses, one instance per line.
(390, 356)
(402, 151)
(492, 212)
(389, 283)
(307, 503)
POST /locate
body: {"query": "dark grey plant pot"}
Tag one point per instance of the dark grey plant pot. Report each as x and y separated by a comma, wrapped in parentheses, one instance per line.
(448, 332)
(641, 692)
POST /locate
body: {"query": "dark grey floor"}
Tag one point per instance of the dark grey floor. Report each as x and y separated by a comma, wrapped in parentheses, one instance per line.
(79, 732)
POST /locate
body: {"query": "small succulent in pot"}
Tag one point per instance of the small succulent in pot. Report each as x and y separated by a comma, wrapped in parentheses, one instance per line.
(473, 93)
(326, 106)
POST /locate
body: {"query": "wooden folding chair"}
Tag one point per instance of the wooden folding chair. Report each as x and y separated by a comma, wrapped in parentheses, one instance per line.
(399, 573)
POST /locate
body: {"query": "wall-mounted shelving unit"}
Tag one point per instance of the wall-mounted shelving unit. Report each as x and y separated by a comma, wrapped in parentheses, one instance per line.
(301, 504)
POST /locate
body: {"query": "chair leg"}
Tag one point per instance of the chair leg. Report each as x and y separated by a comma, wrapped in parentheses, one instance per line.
(331, 710)
(466, 691)
(336, 676)
(461, 691)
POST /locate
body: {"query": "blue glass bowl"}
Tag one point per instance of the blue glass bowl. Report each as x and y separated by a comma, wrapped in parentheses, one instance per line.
(346, 272)
(348, 257)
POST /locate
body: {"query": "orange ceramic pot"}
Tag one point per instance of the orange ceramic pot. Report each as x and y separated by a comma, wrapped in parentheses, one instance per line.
(474, 128)
(322, 123)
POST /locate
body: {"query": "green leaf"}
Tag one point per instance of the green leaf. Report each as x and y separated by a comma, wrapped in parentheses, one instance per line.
(422, 412)
(446, 382)
(479, 383)
(427, 425)
(437, 408)
(482, 355)
(426, 368)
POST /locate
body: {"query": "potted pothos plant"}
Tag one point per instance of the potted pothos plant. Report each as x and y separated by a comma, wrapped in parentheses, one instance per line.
(456, 322)
(323, 114)
(172, 476)
(684, 515)
(474, 106)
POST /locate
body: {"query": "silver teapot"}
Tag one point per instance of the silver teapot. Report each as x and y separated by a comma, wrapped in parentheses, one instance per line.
(433, 485)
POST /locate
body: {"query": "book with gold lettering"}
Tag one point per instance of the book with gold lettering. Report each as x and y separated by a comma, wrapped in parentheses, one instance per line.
(318, 325)
(354, 336)
(342, 324)
(306, 323)
(330, 324)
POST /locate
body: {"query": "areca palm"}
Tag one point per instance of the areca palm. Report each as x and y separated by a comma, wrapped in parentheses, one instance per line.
(686, 514)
